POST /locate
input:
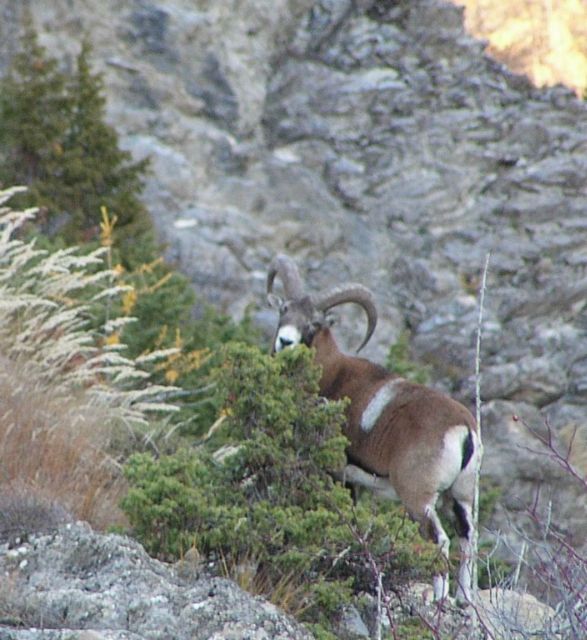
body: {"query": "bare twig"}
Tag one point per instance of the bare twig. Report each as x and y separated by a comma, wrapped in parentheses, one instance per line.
(552, 452)
(475, 536)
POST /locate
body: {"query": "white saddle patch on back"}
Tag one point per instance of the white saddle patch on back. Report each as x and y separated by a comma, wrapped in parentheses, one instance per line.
(378, 403)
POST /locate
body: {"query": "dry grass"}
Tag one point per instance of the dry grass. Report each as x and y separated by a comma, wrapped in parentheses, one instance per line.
(65, 391)
(56, 446)
(287, 592)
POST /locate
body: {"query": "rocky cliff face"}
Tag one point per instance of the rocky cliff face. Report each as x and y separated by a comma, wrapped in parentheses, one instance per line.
(372, 141)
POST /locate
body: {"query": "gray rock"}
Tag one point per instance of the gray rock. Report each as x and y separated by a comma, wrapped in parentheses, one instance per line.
(544, 495)
(351, 625)
(80, 584)
(507, 614)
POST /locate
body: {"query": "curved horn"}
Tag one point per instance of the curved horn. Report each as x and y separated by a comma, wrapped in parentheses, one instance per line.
(290, 276)
(355, 293)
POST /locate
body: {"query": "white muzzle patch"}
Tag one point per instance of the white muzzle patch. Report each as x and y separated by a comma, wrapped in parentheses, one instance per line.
(287, 336)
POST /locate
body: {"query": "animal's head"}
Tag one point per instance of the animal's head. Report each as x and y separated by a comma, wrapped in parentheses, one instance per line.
(302, 316)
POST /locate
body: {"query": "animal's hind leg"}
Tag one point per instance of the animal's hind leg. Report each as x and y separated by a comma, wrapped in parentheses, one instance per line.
(432, 529)
(463, 493)
(463, 510)
(440, 581)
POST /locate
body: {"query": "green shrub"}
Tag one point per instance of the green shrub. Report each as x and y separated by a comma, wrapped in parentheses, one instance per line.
(163, 321)
(414, 629)
(400, 363)
(272, 503)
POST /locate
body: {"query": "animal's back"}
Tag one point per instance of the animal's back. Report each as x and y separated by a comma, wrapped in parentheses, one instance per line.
(400, 416)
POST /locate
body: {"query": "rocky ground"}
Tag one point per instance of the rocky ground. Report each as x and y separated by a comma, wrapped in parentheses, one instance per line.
(75, 584)
(372, 141)
(79, 584)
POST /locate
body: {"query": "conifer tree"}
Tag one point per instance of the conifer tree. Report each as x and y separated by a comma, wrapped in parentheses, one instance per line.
(96, 172)
(34, 111)
(54, 139)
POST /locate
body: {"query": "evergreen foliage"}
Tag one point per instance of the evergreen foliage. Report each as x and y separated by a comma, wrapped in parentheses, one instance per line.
(161, 300)
(202, 342)
(55, 142)
(269, 501)
(400, 363)
(34, 110)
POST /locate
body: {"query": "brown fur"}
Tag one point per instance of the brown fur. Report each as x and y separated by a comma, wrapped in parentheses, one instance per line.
(409, 432)
(411, 447)
(406, 443)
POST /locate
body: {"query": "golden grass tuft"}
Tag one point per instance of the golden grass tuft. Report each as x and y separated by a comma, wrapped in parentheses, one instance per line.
(65, 393)
(286, 592)
(56, 447)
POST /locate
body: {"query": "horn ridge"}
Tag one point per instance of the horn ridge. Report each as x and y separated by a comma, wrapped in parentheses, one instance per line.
(355, 293)
(287, 269)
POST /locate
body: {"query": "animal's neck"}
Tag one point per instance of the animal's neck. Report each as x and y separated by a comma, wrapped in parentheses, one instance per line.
(330, 358)
(343, 374)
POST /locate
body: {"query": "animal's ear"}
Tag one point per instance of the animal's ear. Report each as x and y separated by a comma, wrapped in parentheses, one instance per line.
(274, 301)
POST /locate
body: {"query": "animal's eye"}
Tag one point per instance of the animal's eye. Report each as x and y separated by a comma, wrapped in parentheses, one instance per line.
(284, 308)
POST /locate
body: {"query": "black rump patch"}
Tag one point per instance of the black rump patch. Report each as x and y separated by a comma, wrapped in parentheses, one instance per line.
(468, 450)
(463, 526)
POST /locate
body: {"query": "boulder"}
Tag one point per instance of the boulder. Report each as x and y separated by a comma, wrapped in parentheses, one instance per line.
(76, 583)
